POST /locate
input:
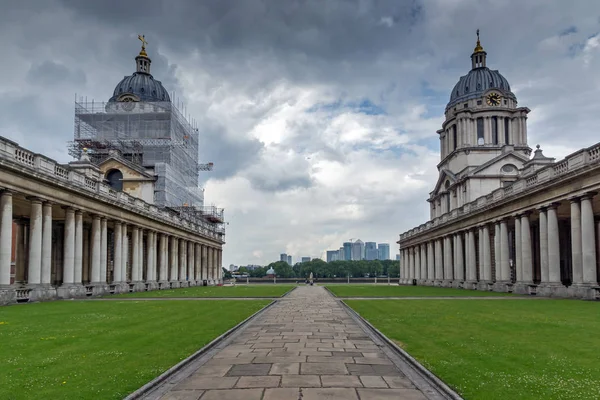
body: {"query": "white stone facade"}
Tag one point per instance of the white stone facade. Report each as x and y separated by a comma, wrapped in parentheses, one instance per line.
(499, 220)
(65, 233)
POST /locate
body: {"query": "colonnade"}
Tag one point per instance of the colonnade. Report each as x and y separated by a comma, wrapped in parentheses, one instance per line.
(89, 253)
(532, 251)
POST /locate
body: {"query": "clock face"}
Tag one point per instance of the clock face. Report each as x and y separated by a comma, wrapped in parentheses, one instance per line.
(493, 99)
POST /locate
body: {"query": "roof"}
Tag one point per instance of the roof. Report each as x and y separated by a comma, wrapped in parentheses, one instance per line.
(476, 83)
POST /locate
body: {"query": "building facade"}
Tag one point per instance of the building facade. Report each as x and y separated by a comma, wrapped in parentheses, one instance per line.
(358, 250)
(102, 224)
(383, 250)
(500, 219)
(371, 252)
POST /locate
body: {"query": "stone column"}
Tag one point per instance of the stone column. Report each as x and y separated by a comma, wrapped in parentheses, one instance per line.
(526, 253)
(6, 218)
(174, 259)
(124, 253)
(448, 267)
(150, 270)
(423, 262)
(543, 222)
(459, 264)
(204, 262)
(411, 264)
(430, 262)
(588, 240)
(190, 262)
(118, 250)
(182, 260)
(211, 265)
(47, 243)
(486, 255)
(439, 271)
(198, 263)
(141, 254)
(219, 264)
(553, 246)
(417, 259)
(504, 255)
(472, 260)
(135, 254)
(518, 249)
(96, 249)
(404, 267)
(163, 264)
(497, 250)
(104, 251)
(576, 245)
(20, 265)
(34, 274)
(69, 248)
(78, 273)
(216, 264)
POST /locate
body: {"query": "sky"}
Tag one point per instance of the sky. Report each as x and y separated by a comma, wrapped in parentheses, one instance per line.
(320, 116)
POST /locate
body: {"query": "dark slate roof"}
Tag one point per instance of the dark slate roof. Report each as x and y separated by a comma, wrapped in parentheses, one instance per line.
(143, 86)
(476, 82)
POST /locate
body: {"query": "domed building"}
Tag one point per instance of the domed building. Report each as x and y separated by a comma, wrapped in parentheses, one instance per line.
(483, 140)
(499, 218)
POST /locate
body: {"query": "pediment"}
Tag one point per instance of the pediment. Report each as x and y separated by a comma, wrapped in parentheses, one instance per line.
(129, 169)
(445, 176)
(500, 165)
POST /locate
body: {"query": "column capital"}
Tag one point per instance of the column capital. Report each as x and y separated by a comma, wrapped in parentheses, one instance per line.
(574, 199)
(588, 195)
(34, 199)
(7, 191)
(542, 208)
(553, 205)
(68, 208)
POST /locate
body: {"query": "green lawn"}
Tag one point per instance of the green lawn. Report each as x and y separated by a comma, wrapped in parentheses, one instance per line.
(104, 350)
(494, 349)
(404, 291)
(265, 290)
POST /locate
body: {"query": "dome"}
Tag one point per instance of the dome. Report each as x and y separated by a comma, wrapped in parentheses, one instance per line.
(141, 85)
(270, 271)
(476, 83)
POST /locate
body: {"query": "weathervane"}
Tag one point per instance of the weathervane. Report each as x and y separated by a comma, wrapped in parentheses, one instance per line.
(144, 43)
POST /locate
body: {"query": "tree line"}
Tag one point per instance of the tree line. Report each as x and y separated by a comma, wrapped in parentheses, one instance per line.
(322, 269)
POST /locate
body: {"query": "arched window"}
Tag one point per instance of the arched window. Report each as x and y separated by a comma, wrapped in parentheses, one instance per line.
(115, 179)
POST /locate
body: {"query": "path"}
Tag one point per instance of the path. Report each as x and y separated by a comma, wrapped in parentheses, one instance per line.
(307, 347)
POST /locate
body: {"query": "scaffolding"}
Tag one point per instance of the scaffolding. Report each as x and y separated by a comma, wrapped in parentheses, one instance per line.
(206, 216)
(154, 135)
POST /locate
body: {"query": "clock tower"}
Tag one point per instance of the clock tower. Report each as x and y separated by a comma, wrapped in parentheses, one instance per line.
(483, 140)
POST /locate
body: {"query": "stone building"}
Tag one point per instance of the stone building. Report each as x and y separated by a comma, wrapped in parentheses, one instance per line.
(126, 216)
(501, 219)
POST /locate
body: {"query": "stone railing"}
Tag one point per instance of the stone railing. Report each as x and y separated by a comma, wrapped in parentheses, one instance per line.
(572, 162)
(45, 166)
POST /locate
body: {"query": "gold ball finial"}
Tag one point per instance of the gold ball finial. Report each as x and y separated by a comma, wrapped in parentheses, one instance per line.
(478, 47)
(142, 38)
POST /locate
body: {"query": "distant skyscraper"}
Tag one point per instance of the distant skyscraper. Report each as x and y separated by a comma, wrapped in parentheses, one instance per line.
(371, 251)
(305, 259)
(289, 260)
(397, 257)
(347, 251)
(341, 254)
(283, 257)
(332, 255)
(384, 251)
(358, 250)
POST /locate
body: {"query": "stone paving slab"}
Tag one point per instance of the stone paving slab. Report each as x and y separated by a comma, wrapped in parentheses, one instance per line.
(306, 346)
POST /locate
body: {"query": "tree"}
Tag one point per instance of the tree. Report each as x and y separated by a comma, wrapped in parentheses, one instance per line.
(226, 274)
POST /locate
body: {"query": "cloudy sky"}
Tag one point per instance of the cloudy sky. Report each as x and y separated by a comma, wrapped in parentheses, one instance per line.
(320, 116)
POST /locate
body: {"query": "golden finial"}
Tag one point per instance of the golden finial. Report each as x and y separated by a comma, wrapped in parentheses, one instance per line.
(144, 43)
(478, 48)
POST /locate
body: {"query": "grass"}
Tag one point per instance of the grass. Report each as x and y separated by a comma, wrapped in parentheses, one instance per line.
(518, 349)
(104, 350)
(405, 291)
(216, 291)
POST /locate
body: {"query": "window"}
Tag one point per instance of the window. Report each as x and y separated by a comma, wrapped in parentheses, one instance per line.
(479, 102)
(480, 139)
(466, 105)
(115, 179)
(506, 130)
(495, 130)
(454, 137)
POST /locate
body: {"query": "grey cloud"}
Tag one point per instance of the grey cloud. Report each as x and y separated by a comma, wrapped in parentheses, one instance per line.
(51, 73)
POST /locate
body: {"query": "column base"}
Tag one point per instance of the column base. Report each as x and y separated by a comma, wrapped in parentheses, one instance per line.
(96, 289)
(584, 291)
(504, 286)
(554, 289)
(118, 287)
(458, 283)
(447, 283)
(184, 284)
(8, 295)
(41, 292)
(163, 285)
(70, 291)
(525, 288)
(151, 285)
(470, 285)
(174, 284)
(438, 283)
(485, 286)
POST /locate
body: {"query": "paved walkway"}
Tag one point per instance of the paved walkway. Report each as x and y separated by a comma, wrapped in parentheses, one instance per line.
(304, 347)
